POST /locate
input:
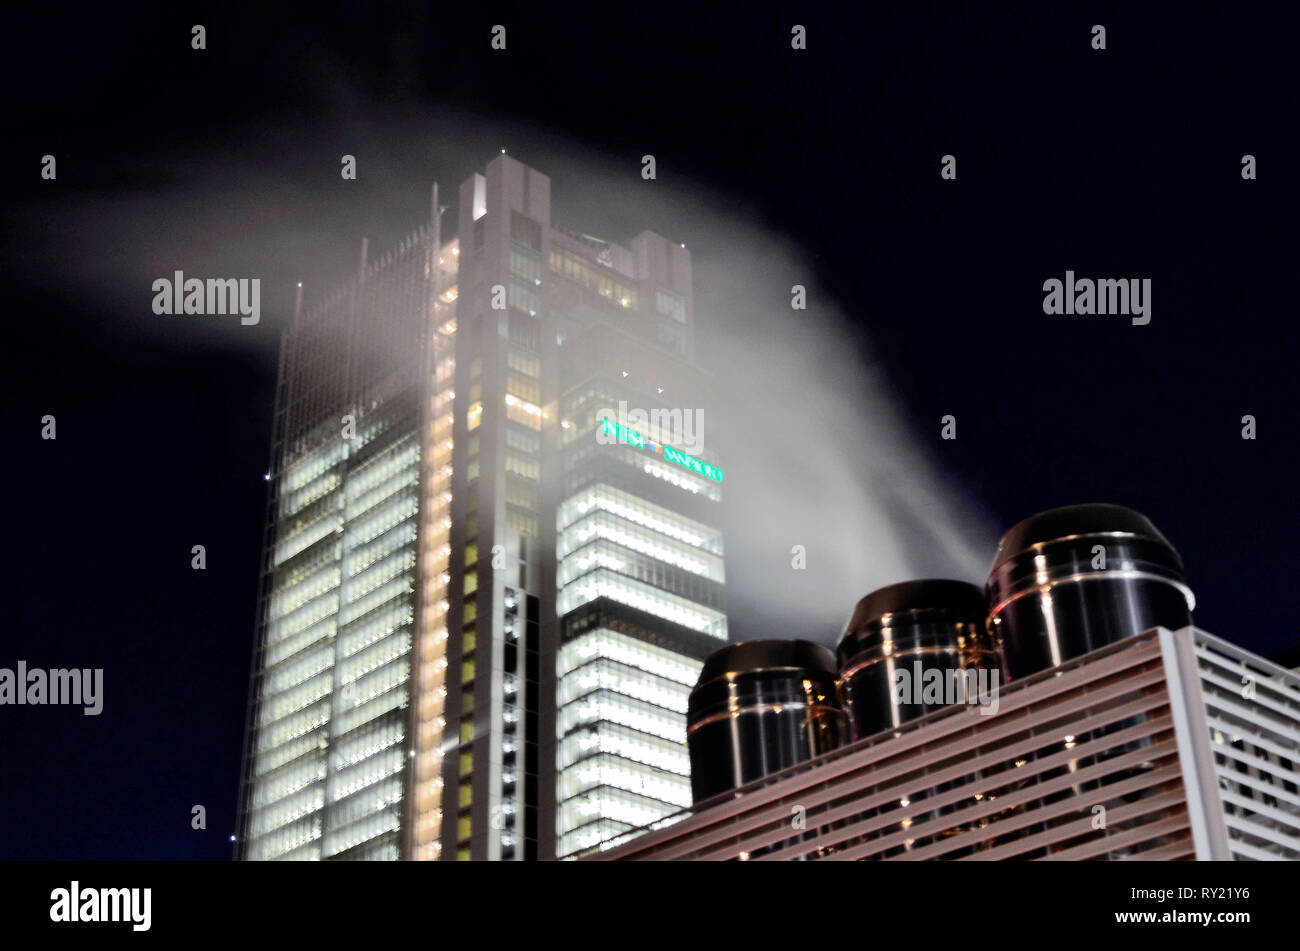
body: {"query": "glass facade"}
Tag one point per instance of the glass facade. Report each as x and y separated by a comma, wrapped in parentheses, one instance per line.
(624, 538)
(328, 761)
(344, 706)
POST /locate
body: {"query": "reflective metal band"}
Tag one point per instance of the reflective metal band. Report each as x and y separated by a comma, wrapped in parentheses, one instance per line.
(846, 674)
(946, 620)
(731, 675)
(1047, 586)
(1071, 538)
(762, 708)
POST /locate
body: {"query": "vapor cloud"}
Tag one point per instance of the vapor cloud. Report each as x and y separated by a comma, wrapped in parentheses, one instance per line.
(807, 428)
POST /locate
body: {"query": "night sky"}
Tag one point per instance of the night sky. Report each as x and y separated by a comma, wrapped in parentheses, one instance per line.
(1117, 163)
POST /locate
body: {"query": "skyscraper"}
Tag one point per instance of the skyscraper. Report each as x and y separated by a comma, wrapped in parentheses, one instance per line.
(490, 573)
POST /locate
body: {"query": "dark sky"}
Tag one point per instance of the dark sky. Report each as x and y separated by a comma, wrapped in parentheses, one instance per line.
(1115, 163)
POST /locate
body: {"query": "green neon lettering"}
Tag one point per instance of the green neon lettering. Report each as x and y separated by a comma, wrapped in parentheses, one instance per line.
(633, 438)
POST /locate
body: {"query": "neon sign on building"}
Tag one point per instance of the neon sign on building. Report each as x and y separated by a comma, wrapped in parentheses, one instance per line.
(633, 438)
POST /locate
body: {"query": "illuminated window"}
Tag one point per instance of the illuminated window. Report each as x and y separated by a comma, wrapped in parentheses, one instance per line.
(522, 466)
(654, 517)
(521, 521)
(468, 641)
(466, 795)
(604, 525)
(471, 552)
(576, 269)
(526, 266)
(604, 583)
(474, 415)
(523, 297)
(524, 388)
(524, 363)
(519, 493)
(466, 701)
(466, 735)
(523, 440)
(462, 855)
(466, 763)
(522, 411)
(467, 670)
(470, 612)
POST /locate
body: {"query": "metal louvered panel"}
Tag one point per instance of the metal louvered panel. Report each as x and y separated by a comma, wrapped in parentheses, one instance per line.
(1252, 717)
(1111, 756)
